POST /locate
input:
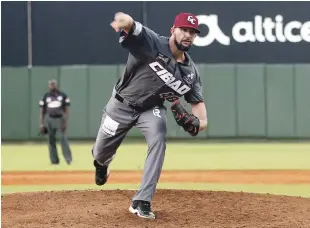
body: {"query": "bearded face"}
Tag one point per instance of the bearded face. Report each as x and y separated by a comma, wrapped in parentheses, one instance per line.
(183, 38)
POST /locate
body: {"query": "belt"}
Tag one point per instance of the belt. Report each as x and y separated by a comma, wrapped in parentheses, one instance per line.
(124, 101)
(55, 115)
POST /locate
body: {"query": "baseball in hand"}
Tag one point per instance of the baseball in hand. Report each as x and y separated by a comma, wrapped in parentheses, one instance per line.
(121, 21)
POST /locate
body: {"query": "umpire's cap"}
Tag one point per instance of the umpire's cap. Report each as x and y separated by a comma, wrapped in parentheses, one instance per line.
(186, 20)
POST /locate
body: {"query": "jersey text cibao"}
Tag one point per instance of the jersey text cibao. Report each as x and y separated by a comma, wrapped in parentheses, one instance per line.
(168, 78)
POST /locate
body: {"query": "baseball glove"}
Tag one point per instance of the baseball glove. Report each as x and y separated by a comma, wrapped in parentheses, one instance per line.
(189, 122)
(43, 131)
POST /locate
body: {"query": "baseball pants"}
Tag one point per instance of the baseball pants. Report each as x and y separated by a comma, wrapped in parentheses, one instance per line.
(53, 126)
(118, 118)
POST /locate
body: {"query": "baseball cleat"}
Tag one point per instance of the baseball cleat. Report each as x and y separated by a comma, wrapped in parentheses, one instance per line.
(102, 173)
(142, 209)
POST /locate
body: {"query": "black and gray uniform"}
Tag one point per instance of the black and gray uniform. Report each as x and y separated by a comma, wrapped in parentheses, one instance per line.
(151, 76)
(53, 104)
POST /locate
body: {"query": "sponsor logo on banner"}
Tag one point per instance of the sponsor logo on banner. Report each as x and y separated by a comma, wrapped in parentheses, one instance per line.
(260, 30)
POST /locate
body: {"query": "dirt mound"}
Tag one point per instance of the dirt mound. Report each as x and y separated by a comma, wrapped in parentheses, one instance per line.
(174, 208)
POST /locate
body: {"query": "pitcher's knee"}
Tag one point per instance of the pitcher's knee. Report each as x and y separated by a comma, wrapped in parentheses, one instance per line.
(158, 141)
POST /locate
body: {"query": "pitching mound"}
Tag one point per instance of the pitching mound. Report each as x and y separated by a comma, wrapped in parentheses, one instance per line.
(174, 208)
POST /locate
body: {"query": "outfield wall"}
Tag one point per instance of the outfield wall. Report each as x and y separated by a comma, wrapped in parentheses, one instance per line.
(253, 57)
(243, 100)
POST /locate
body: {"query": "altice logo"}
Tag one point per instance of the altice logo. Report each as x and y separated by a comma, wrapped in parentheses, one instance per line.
(260, 30)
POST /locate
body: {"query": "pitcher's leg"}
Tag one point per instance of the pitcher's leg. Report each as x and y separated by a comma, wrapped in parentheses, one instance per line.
(117, 120)
(153, 126)
(110, 136)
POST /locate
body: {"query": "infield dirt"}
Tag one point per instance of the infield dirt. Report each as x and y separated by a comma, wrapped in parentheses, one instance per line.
(173, 208)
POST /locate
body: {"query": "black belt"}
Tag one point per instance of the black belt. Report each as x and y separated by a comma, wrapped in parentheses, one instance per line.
(136, 107)
(55, 115)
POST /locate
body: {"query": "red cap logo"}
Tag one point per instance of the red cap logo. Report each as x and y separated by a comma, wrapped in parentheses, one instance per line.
(186, 20)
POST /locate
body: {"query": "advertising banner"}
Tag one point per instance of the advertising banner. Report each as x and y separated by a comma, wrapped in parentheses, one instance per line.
(70, 33)
(242, 32)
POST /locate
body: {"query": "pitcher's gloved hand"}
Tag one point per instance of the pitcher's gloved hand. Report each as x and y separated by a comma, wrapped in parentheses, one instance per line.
(189, 122)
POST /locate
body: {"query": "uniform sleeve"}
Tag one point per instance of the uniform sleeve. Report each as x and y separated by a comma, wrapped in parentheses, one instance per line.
(42, 102)
(195, 94)
(66, 101)
(140, 41)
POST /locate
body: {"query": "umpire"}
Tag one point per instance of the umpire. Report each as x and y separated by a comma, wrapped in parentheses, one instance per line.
(54, 118)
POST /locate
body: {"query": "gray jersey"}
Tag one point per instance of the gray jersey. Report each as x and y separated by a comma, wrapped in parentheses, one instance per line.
(152, 74)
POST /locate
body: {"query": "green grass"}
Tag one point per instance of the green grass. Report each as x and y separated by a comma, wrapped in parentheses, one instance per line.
(179, 156)
(289, 190)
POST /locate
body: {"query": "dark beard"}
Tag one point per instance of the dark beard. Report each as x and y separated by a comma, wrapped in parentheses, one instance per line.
(180, 47)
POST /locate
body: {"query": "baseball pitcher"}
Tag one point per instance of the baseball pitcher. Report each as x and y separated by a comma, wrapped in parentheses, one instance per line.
(158, 69)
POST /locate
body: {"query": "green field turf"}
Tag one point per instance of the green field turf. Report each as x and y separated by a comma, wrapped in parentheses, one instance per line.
(179, 156)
